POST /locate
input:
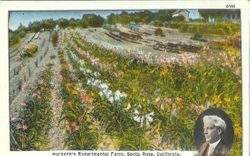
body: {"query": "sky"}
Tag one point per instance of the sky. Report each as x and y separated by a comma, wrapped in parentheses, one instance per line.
(25, 17)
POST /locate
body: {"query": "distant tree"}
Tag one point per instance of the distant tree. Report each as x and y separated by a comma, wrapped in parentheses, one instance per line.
(136, 17)
(48, 24)
(21, 28)
(164, 15)
(21, 31)
(73, 23)
(124, 18)
(146, 16)
(62, 23)
(92, 20)
(111, 18)
(35, 26)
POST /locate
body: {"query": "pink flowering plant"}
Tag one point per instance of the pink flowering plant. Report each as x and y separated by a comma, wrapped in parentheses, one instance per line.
(29, 128)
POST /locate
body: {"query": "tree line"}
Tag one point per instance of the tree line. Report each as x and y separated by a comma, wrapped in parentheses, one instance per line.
(93, 20)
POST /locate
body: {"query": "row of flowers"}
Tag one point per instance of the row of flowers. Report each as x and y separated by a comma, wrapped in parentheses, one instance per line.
(104, 90)
(93, 81)
(117, 109)
(170, 93)
(139, 53)
(29, 128)
(78, 123)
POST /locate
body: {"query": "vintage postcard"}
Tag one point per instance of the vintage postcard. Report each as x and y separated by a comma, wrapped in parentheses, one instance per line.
(145, 78)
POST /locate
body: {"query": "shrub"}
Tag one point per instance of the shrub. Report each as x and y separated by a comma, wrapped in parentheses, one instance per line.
(159, 32)
(14, 40)
(31, 50)
(179, 18)
(54, 38)
(198, 37)
(22, 34)
(158, 24)
(205, 28)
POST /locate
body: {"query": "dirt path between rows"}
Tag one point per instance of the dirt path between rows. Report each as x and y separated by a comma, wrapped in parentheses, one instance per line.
(56, 132)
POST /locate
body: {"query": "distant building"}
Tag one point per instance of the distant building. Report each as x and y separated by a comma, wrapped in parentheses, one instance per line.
(231, 16)
(227, 16)
(181, 12)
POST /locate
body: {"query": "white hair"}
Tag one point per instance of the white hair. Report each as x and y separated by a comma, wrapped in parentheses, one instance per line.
(217, 121)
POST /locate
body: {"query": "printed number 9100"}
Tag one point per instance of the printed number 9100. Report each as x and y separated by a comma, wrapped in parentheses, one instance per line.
(230, 5)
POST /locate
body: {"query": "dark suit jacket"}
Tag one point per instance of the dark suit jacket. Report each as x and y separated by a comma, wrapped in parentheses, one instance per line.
(220, 150)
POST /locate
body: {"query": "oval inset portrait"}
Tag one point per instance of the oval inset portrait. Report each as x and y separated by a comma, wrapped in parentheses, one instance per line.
(214, 134)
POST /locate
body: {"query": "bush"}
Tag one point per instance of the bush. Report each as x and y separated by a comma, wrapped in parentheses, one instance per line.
(159, 32)
(179, 18)
(54, 38)
(205, 28)
(158, 24)
(14, 40)
(14, 37)
(31, 50)
(198, 37)
(22, 34)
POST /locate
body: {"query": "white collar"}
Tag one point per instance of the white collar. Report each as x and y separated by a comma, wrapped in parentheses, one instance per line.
(213, 145)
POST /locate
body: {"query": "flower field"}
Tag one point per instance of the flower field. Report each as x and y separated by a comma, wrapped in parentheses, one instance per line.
(114, 102)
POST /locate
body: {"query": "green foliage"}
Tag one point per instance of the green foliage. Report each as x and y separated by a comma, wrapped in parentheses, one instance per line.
(31, 50)
(22, 34)
(208, 29)
(13, 39)
(158, 24)
(85, 138)
(63, 23)
(80, 132)
(164, 15)
(48, 24)
(54, 38)
(35, 26)
(92, 20)
(133, 139)
(15, 36)
(30, 129)
(179, 18)
(145, 17)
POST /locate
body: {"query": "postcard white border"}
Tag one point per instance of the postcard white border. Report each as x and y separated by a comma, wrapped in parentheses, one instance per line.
(6, 6)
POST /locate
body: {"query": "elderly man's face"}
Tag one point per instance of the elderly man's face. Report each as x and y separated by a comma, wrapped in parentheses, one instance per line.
(212, 133)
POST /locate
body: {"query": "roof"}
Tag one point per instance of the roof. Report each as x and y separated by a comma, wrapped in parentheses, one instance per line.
(180, 10)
